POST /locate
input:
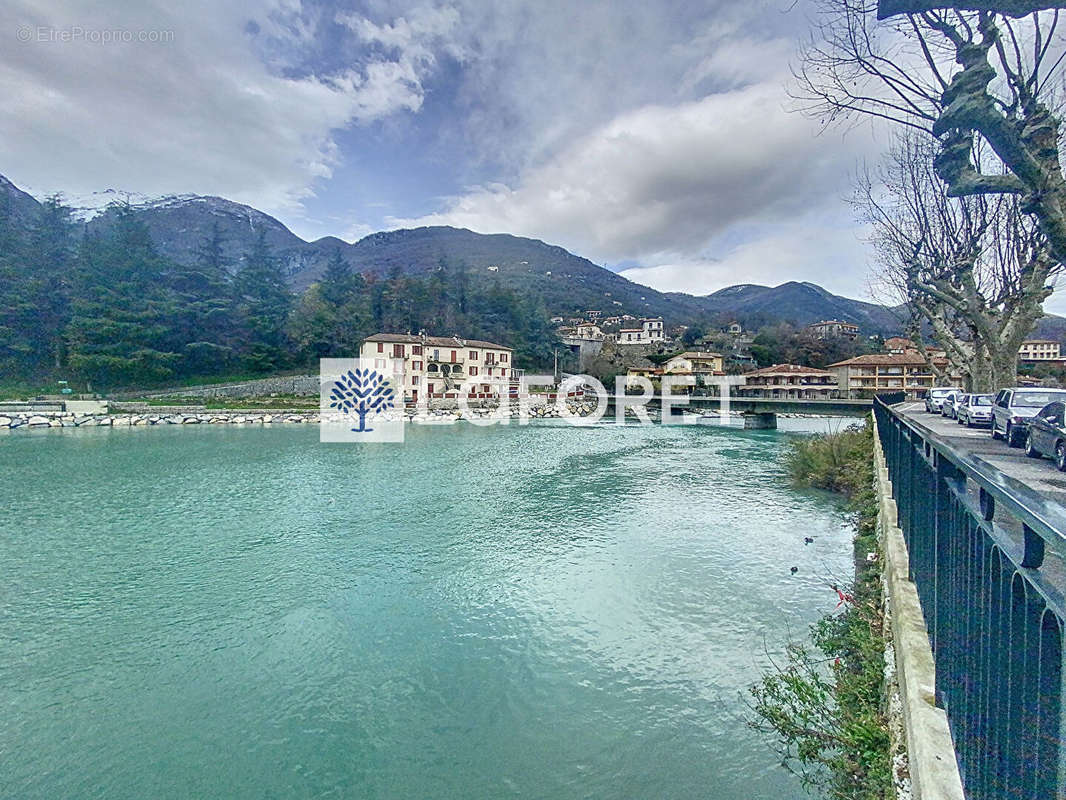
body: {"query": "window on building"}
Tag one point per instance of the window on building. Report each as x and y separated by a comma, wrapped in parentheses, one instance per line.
(416, 349)
(473, 370)
(416, 365)
(414, 380)
(381, 347)
(503, 358)
(436, 355)
(473, 355)
(397, 351)
(454, 359)
(379, 363)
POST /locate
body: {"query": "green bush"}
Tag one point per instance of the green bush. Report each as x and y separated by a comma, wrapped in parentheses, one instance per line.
(823, 703)
(840, 462)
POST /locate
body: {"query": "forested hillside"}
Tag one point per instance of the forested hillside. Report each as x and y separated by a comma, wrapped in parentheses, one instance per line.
(105, 309)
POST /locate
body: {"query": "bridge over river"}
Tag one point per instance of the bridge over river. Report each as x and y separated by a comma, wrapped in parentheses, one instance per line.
(983, 547)
(758, 412)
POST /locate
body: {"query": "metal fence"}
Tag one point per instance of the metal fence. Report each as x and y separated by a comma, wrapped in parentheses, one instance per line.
(985, 556)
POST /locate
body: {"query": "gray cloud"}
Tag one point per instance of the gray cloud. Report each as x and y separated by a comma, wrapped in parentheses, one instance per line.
(198, 111)
(629, 132)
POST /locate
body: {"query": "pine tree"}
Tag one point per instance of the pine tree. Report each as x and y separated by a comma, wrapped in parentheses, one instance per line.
(121, 331)
(205, 323)
(263, 302)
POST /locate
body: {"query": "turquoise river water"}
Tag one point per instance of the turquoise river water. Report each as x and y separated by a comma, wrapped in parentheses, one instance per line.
(538, 612)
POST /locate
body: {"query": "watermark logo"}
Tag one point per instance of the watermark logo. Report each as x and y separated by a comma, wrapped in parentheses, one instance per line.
(358, 400)
(370, 399)
(47, 34)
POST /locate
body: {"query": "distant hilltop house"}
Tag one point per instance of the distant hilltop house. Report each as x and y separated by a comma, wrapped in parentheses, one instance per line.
(649, 332)
(733, 329)
(434, 367)
(833, 327)
(588, 330)
(863, 376)
(897, 345)
(789, 381)
(593, 314)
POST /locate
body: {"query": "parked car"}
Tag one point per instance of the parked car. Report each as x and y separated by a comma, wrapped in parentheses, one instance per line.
(1047, 434)
(1013, 408)
(975, 409)
(950, 407)
(934, 398)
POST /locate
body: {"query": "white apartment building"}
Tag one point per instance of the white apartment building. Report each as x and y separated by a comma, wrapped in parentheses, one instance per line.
(649, 332)
(833, 327)
(1040, 350)
(436, 367)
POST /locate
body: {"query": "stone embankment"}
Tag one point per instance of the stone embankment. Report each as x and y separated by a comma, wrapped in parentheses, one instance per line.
(58, 419)
(299, 385)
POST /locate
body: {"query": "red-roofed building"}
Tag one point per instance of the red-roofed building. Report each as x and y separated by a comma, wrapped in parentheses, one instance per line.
(864, 376)
(435, 367)
(789, 381)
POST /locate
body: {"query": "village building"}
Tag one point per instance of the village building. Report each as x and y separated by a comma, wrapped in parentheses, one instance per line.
(864, 376)
(588, 330)
(1037, 350)
(694, 362)
(634, 374)
(435, 367)
(649, 332)
(734, 329)
(833, 327)
(898, 344)
(789, 381)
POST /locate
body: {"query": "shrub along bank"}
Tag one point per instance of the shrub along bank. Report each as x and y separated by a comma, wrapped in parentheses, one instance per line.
(823, 702)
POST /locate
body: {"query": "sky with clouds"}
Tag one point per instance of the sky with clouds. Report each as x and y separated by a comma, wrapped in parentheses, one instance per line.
(655, 138)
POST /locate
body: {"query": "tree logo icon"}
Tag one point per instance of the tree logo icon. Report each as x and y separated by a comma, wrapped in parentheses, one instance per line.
(363, 392)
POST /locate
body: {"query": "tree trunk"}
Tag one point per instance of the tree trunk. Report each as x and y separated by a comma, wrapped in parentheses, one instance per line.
(1004, 370)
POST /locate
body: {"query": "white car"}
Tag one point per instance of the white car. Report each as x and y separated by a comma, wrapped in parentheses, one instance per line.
(934, 398)
(976, 409)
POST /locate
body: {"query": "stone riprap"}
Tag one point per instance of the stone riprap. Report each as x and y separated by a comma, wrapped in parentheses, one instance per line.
(29, 421)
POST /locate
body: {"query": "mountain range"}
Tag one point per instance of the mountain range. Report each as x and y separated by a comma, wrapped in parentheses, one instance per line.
(566, 283)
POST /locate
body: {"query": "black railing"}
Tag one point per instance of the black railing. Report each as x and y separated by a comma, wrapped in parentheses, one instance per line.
(985, 555)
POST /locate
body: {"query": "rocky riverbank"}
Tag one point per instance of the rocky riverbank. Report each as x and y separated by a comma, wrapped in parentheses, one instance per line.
(58, 419)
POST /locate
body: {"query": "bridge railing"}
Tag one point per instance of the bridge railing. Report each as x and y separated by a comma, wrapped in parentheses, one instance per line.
(986, 554)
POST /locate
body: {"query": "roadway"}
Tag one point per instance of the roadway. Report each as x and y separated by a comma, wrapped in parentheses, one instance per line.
(1041, 476)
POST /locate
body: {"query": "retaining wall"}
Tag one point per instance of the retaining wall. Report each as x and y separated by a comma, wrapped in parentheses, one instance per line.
(933, 766)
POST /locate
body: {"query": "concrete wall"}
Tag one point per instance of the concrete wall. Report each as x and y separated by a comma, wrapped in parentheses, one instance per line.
(934, 772)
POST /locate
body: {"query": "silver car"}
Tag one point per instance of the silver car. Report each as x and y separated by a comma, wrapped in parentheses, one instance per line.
(974, 410)
(1013, 408)
(950, 407)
